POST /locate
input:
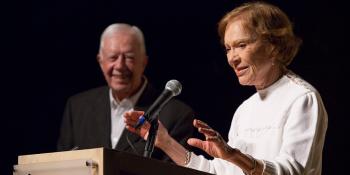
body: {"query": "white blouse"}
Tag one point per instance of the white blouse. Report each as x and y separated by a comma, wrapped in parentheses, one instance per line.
(284, 125)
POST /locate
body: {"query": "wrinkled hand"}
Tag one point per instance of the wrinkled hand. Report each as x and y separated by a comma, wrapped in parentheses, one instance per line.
(213, 144)
(130, 120)
(132, 117)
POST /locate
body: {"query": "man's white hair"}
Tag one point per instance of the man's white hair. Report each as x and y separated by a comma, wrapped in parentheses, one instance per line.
(118, 27)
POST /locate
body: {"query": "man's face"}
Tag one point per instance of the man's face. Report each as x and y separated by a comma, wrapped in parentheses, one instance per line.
(122, 62)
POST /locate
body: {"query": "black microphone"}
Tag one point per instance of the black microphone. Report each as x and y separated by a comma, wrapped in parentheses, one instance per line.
(172, 88)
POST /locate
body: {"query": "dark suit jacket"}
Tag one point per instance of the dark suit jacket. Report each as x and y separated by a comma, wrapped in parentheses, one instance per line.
(86, 122)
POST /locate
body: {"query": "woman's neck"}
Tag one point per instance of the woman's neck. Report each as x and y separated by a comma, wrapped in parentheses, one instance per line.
(272, 78)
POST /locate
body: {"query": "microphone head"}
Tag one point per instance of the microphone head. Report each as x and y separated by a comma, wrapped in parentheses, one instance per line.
(174, 86)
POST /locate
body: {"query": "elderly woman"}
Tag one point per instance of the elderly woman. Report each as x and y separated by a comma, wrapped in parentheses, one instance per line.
(278, 130)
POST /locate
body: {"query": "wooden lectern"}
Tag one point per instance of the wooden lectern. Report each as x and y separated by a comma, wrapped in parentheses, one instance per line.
(98, 161)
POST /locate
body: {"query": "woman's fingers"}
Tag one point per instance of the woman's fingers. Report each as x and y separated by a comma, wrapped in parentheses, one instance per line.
(200, 124)
(130, 128)
(131, 117)
(196, 143)
(130, 120)
(209, 133)
(206, 131)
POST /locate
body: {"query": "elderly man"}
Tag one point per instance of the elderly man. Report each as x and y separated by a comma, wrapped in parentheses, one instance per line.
(95, 118)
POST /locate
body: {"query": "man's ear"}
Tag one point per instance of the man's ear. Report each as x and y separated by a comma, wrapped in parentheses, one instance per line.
(98, 57)
(145, 61)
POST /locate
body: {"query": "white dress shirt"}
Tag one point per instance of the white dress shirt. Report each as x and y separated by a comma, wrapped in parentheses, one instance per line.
(118, 108)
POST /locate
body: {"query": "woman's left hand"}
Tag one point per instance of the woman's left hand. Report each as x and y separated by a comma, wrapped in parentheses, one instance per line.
(213, 144)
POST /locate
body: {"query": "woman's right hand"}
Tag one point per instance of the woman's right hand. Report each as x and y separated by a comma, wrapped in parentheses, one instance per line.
(132, 117)
(130, 120)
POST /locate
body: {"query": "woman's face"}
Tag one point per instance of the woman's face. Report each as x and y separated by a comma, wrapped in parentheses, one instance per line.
(249, 56)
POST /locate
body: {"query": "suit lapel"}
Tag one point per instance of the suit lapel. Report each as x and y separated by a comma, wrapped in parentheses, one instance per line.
(103, 109)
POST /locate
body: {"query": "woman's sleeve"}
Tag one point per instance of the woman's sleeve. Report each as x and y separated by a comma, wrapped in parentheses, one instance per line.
(303, 138)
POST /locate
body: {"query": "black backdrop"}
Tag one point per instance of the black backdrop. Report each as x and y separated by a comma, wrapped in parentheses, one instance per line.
(49, 50)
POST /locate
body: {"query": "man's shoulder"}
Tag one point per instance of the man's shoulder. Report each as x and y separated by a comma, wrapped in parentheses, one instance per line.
(91, 94)
(176, 108)
(176, 103)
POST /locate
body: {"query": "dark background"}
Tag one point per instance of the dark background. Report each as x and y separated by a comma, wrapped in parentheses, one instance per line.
(49, 48)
